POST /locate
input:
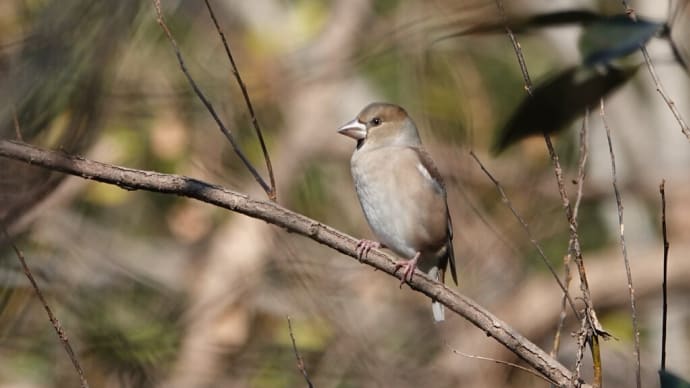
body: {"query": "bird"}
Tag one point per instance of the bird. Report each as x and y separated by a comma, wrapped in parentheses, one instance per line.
(402, 194)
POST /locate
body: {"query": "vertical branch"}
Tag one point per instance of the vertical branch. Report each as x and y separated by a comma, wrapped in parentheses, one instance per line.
(593, 328)
(255, 123)
(62, 336)
(581, 343)
(300, 361)
(226, 132)
(571, 214)
(581, 172)
(582, 163)
(567, 277)
(575, 238)
(631, 289)
(574, 244)
(664, 286)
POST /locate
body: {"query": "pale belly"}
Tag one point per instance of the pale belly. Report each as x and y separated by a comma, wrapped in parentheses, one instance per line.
(404, 210)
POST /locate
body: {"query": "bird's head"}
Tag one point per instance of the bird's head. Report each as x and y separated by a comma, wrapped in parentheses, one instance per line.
(381, 125)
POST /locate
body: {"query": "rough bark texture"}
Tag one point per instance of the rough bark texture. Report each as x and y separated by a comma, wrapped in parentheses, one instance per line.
(133, 179)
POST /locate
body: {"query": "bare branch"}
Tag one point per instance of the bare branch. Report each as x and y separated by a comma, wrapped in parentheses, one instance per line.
(226, 132)
(664, 286)
(272, 194)
(300, 361)
(271, 212)
(17, 127)
(581, 172)
(574, 247)
(59, 330)
(631, 289)
(567, 277)
(574, 244)
(517, 47)
(582, 336)
(657, 83)
(525, 227)
(575, 239)
(582, 163)
(500, 362)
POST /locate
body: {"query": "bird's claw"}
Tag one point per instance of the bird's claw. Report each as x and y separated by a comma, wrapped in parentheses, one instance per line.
(408, 269)
(364, 246)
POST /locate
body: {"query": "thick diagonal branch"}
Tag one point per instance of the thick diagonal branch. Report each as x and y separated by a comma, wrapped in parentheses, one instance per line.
(133, 179)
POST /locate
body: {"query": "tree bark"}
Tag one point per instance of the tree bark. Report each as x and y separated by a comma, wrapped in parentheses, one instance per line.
(133, 179)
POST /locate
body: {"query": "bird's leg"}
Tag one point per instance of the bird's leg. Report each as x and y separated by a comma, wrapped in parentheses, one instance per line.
(409, 267)
(364, 246)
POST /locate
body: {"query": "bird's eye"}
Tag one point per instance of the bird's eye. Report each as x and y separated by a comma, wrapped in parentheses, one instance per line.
(375, 121)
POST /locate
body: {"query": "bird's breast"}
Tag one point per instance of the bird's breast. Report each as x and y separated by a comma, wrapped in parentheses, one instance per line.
(405, 208)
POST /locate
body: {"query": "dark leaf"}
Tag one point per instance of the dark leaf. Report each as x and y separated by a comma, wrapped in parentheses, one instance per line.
(669, 380)
(556, 102)
(607, 39)
(557, 19)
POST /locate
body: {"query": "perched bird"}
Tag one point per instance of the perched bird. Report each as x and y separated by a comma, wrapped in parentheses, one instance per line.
(401, 192)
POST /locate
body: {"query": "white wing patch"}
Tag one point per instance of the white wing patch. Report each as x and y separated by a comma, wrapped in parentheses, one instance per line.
(425, 172)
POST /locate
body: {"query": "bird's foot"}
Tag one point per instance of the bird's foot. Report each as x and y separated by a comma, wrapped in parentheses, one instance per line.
(364, 246)
(408, 268)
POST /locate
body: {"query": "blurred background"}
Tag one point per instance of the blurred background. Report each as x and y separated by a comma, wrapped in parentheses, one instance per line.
(157, 290)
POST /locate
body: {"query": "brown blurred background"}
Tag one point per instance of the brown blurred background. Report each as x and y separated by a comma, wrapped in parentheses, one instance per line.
(157, 290)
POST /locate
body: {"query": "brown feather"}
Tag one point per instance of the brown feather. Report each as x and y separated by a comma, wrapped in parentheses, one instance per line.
(449, 257)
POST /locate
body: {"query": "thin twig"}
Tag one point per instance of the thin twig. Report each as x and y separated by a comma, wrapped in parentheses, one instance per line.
(501, 362)
(574, 247)
(631, 289)
(272, 195)
(226, 132)
(582, 336)
(525, 227)
(657, 82)
(574, 244)
(664, 286)
(517, 47)
(62, 336)
(582, 163)
(659, 88)
(581, 172)
(567, 277)
(584, 284)
(300, 361)
(271, 212)
(17, 127)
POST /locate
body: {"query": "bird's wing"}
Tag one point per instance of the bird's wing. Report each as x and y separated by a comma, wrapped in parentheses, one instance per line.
(450, 254)
(429, 165)
(449, 258)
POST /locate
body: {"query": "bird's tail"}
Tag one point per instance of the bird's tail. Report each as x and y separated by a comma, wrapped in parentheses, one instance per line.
(436, 307)
(437, 310)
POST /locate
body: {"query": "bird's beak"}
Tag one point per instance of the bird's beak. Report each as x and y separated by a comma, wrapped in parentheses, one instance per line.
(354, 129)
